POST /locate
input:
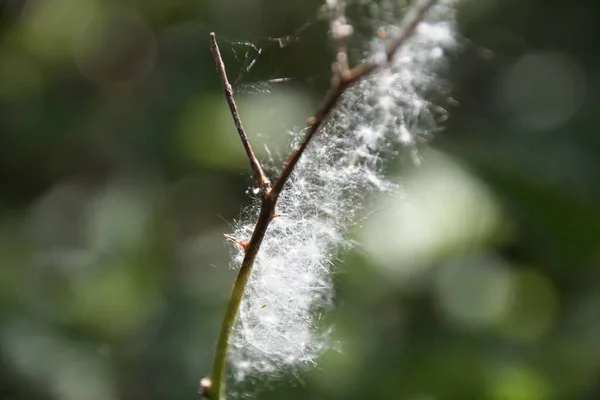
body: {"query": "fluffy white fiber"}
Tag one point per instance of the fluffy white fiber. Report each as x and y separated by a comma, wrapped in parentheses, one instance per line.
(279, 323)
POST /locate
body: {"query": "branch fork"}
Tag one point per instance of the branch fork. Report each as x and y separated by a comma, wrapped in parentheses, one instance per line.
(213, 388)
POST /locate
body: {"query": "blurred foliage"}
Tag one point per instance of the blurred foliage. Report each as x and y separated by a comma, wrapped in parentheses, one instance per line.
(120, 167)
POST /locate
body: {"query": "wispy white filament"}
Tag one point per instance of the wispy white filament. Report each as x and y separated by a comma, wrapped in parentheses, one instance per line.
(280, 320)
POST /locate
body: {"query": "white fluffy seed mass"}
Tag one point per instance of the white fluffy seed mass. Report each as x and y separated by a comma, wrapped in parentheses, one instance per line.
(280, 322)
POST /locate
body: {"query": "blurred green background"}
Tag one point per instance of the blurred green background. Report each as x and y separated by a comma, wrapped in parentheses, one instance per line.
(120, 169)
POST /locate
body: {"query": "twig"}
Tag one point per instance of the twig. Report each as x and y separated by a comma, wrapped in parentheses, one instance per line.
(341, 82)
(408, 25)
(260, 179)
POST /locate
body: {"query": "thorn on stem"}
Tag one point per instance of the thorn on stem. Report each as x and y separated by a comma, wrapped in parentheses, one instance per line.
(276, 215)
(242, 243)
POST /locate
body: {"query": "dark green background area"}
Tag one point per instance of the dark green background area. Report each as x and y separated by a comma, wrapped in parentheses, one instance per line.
(120, 170)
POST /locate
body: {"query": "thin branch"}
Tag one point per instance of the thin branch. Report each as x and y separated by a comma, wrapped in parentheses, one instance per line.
(341, 83)
(215, 389)
(407, 27)
(260, 179)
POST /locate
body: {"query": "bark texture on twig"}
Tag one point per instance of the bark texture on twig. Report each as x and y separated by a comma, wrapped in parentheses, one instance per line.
(260, 179)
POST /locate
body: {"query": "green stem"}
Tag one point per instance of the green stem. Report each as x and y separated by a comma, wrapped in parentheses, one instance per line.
(219, 368)
(222, 347)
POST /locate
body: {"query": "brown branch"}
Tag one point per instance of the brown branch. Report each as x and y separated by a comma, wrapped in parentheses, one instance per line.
(407, 27)
(345, 80)
(340, 83)
(260, 179)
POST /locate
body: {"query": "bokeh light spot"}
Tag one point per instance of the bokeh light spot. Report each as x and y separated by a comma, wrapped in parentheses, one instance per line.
(518, 383)
(474, 293)
(542, 91)
(445, 208)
